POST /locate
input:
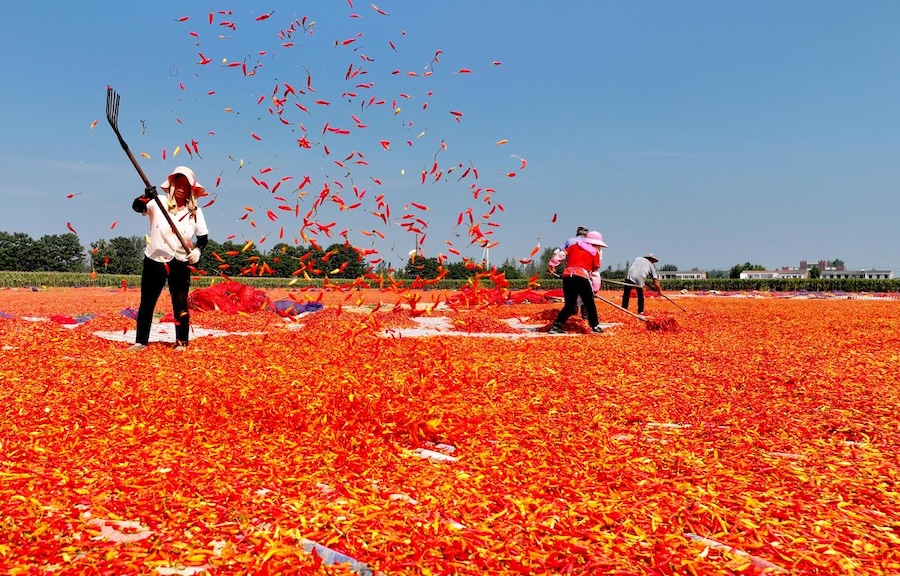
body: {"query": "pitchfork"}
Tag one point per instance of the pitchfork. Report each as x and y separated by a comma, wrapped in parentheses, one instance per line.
(112, 114)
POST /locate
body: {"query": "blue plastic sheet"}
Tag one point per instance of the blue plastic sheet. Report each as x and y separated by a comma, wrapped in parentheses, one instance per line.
(292, 308)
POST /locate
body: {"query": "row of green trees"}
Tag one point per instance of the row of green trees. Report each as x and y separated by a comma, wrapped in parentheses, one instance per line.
(124, 256)
(51, 253)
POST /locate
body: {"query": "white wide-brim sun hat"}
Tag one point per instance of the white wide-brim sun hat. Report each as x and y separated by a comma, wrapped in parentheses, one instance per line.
(197, 189)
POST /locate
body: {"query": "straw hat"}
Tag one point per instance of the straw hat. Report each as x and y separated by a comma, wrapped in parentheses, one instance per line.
(197, 189)
(649, 256)
(595, 238)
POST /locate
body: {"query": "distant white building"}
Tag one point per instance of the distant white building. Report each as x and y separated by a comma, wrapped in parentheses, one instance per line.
(760, 274)
(801, 272)
(871, 274)
(793, 273)
(686, 275)
(825, 271)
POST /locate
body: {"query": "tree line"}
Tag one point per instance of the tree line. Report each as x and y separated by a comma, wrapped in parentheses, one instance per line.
(19, 252)
(124, 256)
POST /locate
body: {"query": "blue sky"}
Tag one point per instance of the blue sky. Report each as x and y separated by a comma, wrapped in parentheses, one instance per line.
(710, 133)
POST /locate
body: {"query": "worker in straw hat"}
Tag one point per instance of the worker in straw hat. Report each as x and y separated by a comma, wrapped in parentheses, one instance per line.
(165, 258)
(640, 270)
(582, 259)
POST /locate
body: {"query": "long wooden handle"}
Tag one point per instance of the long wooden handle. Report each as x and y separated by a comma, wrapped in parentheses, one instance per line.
(112, 115)
(162, 208)
(159, 203)
(614, 305)
(620, 283)
(672, 301)
(661, 294)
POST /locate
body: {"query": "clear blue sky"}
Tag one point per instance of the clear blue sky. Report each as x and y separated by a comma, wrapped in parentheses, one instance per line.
(710, 132)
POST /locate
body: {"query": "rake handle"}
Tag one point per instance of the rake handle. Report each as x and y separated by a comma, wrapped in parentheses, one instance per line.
(661, 294)
(619, 283)
(112, 116)
(614, 305)
(672, 301)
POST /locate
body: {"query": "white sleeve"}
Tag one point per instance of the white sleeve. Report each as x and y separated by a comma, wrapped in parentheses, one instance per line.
(596, 280)
(200, 229)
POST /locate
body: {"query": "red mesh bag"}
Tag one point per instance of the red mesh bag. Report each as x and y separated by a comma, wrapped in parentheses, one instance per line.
(230, 297)
(468, 296)
(529, 296)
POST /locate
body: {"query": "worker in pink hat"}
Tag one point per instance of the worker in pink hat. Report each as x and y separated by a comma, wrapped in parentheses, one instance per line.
(559, 255)
(639, 272)
(582, 259)
(165, 259)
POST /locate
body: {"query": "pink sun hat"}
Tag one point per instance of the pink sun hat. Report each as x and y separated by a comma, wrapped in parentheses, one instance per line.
(595, 238)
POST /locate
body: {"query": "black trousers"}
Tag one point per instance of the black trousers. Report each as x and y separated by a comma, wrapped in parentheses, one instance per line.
(573, 287)
(153, 278)
(626, 294)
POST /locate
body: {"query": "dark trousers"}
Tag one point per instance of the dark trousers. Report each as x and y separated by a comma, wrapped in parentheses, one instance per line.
(153, 278)
(626, 294)
(573, 287)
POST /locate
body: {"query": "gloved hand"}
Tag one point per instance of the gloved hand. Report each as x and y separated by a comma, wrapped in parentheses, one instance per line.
(194, 256)
(596, 280)
(557, 257)
(150, 192)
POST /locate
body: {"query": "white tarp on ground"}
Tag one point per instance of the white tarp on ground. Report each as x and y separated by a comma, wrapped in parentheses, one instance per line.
(428, 326)
(442, 326)
(165, 333)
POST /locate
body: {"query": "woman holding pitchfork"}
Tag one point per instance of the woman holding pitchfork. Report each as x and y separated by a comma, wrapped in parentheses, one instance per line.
(165, 257)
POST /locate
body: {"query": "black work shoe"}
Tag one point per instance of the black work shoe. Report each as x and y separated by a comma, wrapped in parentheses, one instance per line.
(597, 329)
(556, 330)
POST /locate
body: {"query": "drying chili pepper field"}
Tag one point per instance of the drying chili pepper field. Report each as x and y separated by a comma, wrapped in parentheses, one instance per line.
(761, 436)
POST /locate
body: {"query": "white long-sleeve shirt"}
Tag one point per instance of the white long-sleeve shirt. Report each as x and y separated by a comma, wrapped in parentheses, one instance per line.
(162, 242)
